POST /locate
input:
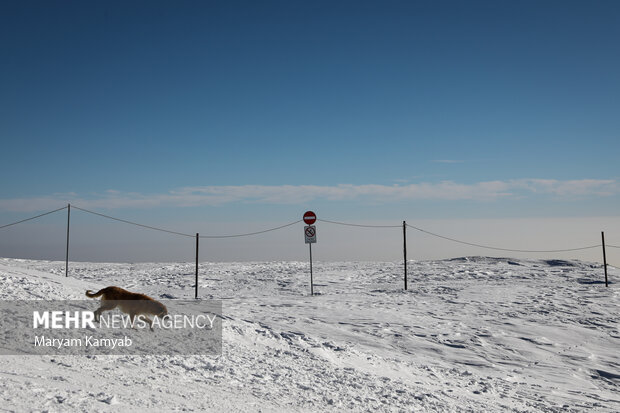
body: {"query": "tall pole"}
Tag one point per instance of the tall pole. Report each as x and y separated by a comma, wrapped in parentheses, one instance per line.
(405, 250)
(197, 238)
(311, 284)
(604, 259)
(67, 255)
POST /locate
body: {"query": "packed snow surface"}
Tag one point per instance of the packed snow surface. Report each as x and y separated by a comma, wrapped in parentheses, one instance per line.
(469, 334)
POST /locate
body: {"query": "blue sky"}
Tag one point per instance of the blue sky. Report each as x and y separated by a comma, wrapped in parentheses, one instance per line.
(195, 114)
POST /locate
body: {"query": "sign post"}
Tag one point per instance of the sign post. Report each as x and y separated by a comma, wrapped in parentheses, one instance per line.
(311, 282)
(310, 237)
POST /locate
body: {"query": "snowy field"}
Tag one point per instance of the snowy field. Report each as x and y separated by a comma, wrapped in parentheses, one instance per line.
(470, 334)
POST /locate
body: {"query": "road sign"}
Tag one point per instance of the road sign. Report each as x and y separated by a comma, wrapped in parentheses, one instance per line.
(309, 217)
(310, 233)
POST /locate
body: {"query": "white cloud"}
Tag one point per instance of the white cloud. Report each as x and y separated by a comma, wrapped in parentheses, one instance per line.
(571, 188)
(299, 194)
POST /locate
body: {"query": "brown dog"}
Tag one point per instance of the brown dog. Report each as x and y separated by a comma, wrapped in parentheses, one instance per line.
(130, 303)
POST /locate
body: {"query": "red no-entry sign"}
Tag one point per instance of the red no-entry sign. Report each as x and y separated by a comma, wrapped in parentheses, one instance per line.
(309, 217)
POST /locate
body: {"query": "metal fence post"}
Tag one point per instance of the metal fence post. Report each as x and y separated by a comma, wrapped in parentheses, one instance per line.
(67, 251)
(197, 238)
(604, 258)
(405, 250)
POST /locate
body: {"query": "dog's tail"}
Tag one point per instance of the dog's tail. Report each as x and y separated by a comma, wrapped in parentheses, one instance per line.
(90, 294)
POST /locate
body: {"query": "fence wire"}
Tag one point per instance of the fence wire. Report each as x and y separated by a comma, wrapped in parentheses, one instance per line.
(359, 225)
(132, 223)
(30, 219)
(251, 233)
(183, 234)
(502, 249)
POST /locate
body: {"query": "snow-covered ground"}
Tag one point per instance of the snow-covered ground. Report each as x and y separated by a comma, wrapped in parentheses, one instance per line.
(470, 334)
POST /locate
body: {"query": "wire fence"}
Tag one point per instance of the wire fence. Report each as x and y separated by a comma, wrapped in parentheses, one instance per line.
(31, 218)
(359, 225)
(251, 233)
(504, 249)
(220, 236)
(404, 226)
(181, 233)
(130, 222)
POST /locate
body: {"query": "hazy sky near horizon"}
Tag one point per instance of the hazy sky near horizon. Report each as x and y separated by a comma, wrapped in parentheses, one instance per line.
(231, 115)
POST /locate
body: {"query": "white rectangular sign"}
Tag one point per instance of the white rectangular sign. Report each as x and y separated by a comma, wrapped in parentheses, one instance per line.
(310, 234)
